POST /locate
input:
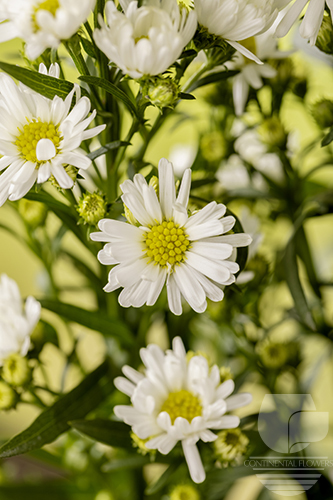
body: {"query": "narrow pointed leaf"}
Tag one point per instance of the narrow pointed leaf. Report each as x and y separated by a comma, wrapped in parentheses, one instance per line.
(105, 149)
(53, 421)
(48, 86)
(109, 432)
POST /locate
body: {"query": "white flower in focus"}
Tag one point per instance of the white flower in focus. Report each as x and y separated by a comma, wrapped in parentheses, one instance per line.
(190, 253)
(16, 322)
(42, 24)
(38, 137)
(178, 400)
(236, 20)
(312, 19)
(145, 40)
(251, 74)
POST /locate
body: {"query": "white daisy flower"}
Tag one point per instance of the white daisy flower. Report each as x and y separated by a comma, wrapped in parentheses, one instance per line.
(16, 322)
(312, 20)
(236, 20)
(178, 400)
(38, 137)
(145, 40)
(190, 253)
(42, 24)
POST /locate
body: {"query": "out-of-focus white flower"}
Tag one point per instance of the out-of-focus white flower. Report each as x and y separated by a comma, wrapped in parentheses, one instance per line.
(249, 146)
(182, 157)
(270, 165)
(42, 23)
(16, 322)
(251, 74)
(251, 225)
(39, 136)
(189, 253)
(178, 400)
(236, 20)
(145, 40)
(311, 22)
(233, 174)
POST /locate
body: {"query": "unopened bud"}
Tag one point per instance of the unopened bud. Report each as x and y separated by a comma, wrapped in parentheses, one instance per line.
(162, 92)
(184, 492)
(8, 397)
(70, 170)
(32, 212)
(16, 371)
(272, 132)
(225, 374)
(324, 40)
(322, 112)
(92, 208)
(230, 445)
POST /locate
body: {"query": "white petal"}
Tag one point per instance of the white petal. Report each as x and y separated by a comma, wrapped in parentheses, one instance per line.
(238, 400)
(194, 462)
(225, 389)
(124, 385)
(174, 296)
(184, 190)
(167, 191)
(213, 270)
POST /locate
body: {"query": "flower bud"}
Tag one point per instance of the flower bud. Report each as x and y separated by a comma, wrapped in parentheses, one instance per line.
(225, 373)
(16, 371)
(92, 208)
(184, 492)
(8, 397)
(129, 216)
(33, 213)
(140, 444)
(161, 92)
(272, 132)
(284, 69)
(230, 445)
(273, 355)
(324, 40)
(154, 182)
(213, 146)
(322, 112)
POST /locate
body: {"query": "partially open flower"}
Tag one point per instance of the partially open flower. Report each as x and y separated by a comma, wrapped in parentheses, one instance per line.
(16, 322)
(145, 40)
(178, 400)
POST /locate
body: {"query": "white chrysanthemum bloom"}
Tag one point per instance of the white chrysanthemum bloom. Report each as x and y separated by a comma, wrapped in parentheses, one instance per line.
(251, 74)
(16, 322)
(42, 24)
(164, 243)
(312, 20)
(236, 20)
(38, 137)
(178, 400)
(145, 40)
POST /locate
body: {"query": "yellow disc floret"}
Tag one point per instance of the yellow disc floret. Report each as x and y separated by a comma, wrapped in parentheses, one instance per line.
(166, 243)
(50, 5)
(182, 404)
(31, 133)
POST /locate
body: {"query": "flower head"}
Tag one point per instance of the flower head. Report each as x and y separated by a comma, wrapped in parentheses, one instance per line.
(16, 322)
(190, 253)
(39, 137)
(178, 400)
(236, 20)
(42, 23)
(145, 40)
(184, 492)
(230, 445)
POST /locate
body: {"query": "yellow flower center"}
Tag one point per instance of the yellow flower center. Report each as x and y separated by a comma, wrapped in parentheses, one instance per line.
(30, 135)
(166, 243)
(50, 5)
(182, 404)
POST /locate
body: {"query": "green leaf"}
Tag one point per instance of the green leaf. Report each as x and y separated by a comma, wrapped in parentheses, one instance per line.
(212, 78)
(242, 252)
(48, 86)
(109, 432)
(327, 139)
(164, 479)
(187, 97)
(95, 320)
(53, 422)
(108, 147)
(88, 47)
(113, 90)
(295, 286)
